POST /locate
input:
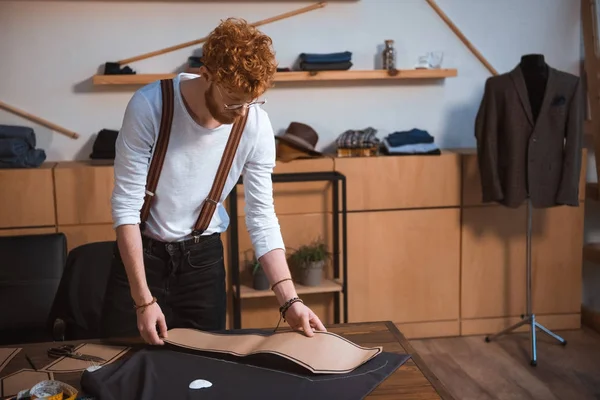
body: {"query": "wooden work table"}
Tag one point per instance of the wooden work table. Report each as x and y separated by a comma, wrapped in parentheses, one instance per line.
(413, 380)
(423, 250)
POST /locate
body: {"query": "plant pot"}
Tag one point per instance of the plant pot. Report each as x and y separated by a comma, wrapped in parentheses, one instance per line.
(311, 274)
(260, 281)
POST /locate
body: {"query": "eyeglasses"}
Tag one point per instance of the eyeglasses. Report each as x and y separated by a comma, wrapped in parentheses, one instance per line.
(238, 106)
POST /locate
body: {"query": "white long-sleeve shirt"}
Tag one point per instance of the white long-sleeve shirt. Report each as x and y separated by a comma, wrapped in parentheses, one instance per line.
(189, 169)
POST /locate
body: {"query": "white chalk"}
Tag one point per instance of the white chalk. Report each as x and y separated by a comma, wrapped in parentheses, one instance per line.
(200, 384)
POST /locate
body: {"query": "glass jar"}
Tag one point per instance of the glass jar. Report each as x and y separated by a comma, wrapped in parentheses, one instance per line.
(389, 55)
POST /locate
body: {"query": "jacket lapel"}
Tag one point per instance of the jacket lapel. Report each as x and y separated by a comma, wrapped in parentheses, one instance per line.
(517, 77)
(549, 94)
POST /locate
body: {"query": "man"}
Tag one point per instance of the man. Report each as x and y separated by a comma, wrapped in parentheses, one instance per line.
(174, 279)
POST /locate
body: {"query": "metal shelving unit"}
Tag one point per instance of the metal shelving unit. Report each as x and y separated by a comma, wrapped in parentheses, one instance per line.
(338, 285)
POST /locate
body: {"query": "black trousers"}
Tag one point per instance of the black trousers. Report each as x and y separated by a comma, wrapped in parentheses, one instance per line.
(187, 279)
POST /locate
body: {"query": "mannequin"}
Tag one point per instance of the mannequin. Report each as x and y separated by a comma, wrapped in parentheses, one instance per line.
(530, 156)
(535, 73)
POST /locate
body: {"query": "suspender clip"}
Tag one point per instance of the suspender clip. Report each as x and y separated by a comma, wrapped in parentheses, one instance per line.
(209, 200)
(196, 235)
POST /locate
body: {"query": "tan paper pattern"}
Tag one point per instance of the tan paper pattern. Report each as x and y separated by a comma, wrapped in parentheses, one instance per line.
(7, 354)
(22, 380)
(68, 364)
(325, 352)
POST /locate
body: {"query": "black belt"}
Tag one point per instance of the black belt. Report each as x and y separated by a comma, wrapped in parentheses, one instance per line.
(151, 244)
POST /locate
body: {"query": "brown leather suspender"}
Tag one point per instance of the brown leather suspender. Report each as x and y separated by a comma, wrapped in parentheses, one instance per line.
(210, 203)
(160, 149)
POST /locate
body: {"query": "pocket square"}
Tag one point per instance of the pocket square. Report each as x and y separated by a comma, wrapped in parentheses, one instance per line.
(558, 101)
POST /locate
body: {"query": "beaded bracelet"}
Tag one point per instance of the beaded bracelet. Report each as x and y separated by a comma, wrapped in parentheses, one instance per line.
(283, 309)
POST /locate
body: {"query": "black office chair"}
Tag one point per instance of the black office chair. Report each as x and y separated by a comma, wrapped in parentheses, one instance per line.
(77, 308)
(31, 267)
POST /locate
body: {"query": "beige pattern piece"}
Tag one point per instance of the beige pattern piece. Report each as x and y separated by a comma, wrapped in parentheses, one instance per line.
(68, 364)
(7, 354)
(23, 379)
(325, 352)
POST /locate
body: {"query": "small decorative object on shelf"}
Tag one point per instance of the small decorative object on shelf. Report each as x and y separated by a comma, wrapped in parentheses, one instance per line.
(430, 60)
(259, 278)
(309, 261)
(358, 143)
(389, 56)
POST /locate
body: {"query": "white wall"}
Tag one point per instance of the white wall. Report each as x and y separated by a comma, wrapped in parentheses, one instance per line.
(49, 51)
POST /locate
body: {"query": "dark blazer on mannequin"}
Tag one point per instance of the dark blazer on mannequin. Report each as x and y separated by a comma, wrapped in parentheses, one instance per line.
(519, 156)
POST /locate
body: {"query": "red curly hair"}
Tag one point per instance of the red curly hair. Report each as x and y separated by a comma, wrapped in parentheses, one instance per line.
(240, 58)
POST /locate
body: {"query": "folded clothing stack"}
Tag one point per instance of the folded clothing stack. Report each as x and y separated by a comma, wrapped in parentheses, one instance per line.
(326, 62)
(17, 148)
(104, 145)
(414, 141)
(363, 142)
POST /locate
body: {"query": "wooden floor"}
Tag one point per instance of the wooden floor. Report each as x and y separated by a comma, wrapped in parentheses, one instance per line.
(470, 368)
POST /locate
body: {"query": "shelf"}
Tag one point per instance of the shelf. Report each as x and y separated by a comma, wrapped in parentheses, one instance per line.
(326, 286)
(296, 76)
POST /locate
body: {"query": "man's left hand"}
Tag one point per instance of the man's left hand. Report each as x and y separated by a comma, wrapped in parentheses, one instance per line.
(300, 317)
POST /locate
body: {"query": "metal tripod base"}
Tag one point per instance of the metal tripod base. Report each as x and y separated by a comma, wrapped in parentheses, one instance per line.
(533, 324)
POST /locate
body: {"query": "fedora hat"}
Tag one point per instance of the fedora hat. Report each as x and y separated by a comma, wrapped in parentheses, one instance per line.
(302, 138)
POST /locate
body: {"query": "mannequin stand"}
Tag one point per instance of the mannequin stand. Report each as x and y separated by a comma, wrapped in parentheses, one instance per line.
(529, 318)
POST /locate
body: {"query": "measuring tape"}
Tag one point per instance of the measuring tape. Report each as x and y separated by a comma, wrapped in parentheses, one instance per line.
(50, 390)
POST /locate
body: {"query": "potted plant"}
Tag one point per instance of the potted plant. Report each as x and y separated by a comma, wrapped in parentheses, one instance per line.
(259, 278)
(309, 261)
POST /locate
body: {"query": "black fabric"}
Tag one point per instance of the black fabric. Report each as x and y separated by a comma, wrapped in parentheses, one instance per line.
(77, 308)
(165, 374)
(104, 145)
(113, 68)
(32, 266)
(187, 279)
(337, 66)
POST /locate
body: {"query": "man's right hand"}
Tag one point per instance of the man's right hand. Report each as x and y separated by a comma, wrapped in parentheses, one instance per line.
(148, 321)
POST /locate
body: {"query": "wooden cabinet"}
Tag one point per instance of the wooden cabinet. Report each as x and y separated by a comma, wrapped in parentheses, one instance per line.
(27, 197)
(395, 182)
(404, 265)
(493, 262)
(423, 251)
(78, 235)
(557, 259)
(27, 231)
(83, 193)
(298, 197)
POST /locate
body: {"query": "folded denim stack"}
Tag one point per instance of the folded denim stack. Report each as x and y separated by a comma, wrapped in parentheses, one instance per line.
(17, 148)
(326, 62)
(414, 141)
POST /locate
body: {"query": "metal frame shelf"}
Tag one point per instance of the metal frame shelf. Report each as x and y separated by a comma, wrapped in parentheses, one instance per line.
(341, 296)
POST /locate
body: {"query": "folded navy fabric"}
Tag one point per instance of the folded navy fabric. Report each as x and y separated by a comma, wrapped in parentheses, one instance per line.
(326, 58)
(325, 67)
(32, 159)
(11, 147)
(413, 136)
(18, 132)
